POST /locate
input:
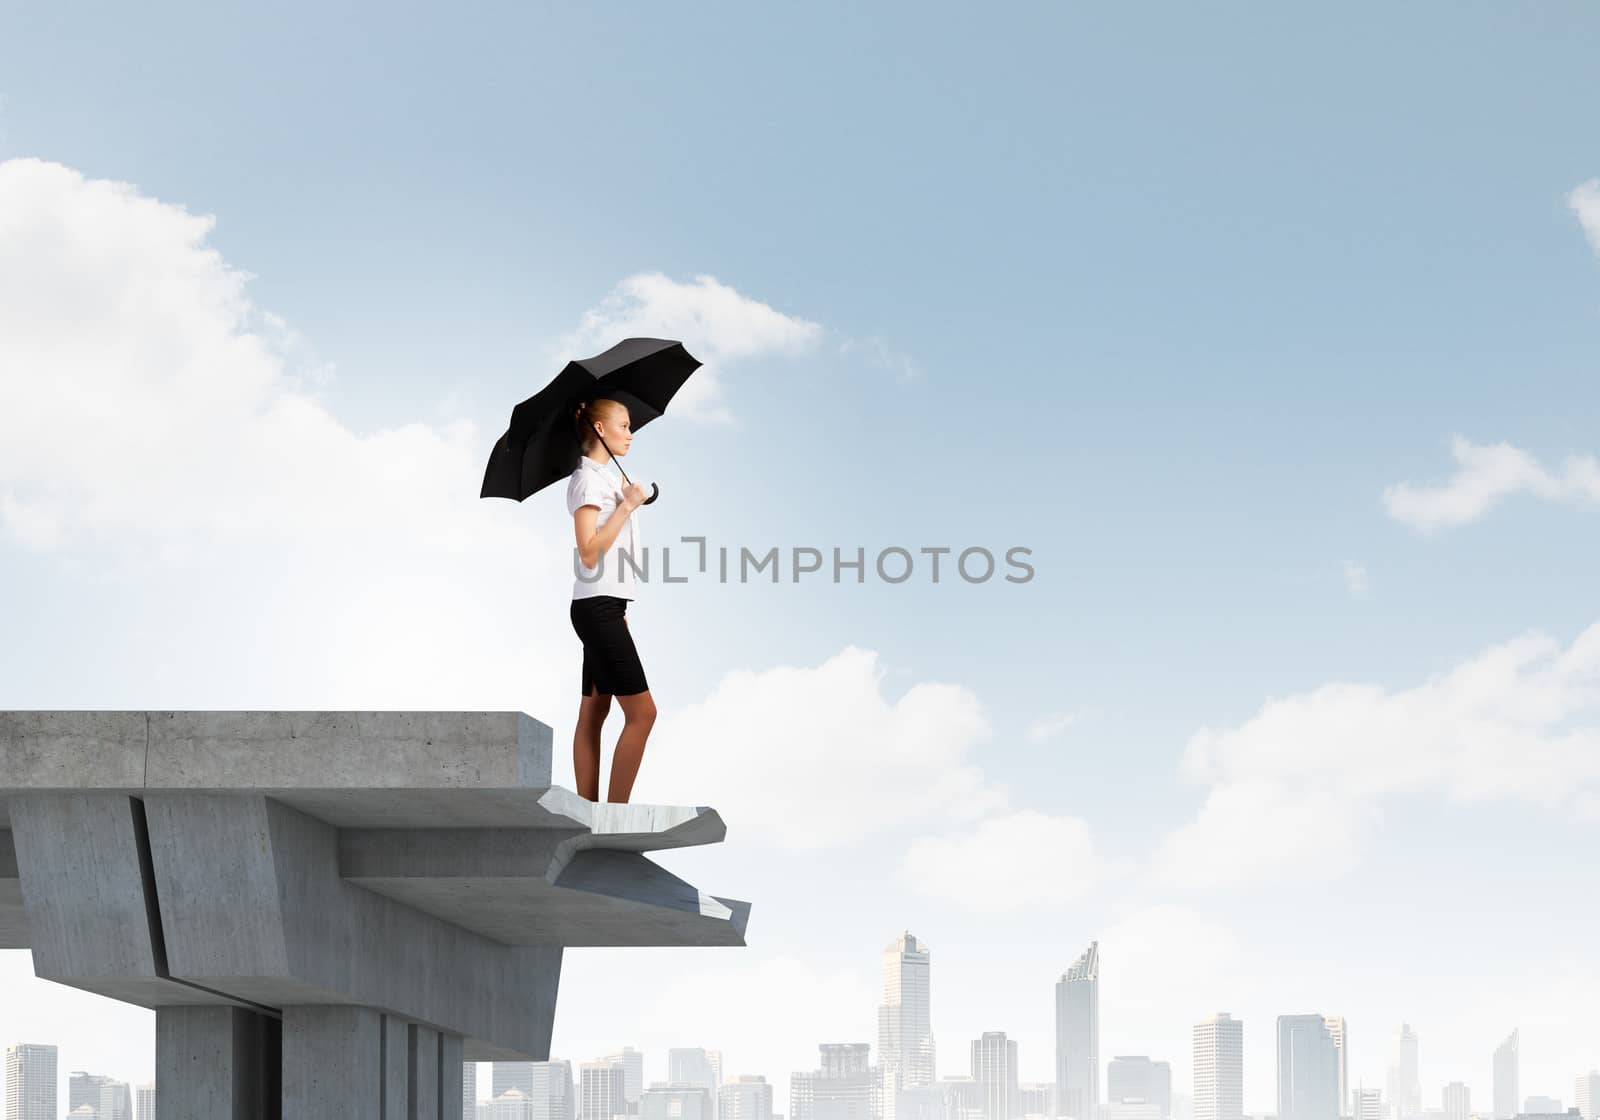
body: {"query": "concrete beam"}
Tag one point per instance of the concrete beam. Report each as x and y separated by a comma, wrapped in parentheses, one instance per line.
(354, 769)
(253, 906)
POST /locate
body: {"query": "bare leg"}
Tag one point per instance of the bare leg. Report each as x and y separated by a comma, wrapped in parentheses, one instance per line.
(592, 714)
(639, 712)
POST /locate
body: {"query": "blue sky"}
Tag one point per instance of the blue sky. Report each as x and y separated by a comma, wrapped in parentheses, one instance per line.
(1173, 296)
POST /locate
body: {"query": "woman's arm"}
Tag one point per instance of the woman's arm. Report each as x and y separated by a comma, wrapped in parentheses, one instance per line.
(591, 541)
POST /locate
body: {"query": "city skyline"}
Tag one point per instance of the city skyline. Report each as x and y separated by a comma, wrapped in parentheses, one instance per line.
(1310, 1065)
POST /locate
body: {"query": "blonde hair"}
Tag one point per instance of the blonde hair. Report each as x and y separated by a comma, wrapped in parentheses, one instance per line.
(588, 413)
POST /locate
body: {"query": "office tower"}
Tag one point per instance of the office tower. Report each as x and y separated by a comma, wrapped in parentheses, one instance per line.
(600, 1091)
(960, 1098)
(1219, 1068)
(544, 1087)
(1135, 1080)
(905, 1033)
(665, 1101)
(923, 1102)
(1037, 1098)
(1457, 1100)
(1506, 1089)
(803, 1095)
(746, 1097)
(469, 1089)
(842, 1089)
(1368, 1105)
(1308, 1077)
(1405, 1082)
(632, 1063)
(1078, 1037)
(144, 1101)
(1586, 1095)
(694, 1065)
(102, 1093)
(513, 1104)
(31, 1082)
(994, 1068)
(1339, 1031)
(511, 1075)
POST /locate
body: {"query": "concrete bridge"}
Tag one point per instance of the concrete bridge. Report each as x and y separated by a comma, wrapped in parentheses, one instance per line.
(328, 911)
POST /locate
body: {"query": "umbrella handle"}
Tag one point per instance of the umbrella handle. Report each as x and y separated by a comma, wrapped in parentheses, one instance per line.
(655, 492)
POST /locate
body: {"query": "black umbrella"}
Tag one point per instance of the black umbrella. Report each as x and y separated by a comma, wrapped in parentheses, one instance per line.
(541, 446)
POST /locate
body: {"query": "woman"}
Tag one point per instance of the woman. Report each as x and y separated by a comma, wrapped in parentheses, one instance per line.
(602, 519)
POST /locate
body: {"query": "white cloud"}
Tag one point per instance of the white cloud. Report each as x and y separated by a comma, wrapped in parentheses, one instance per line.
(823, 756)
(716, 324)
(1584, 201)
(1165, 966)
(1485, 475)
(1252, 831)
(158, 428)
(1050, 726)
(880, 353)
(1516, 721)
(1355, 578)
(1023, 860)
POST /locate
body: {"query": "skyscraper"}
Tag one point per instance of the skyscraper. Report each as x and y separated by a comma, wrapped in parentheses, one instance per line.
(1137, 1078)
(1219, 1068)
(842, 1088)
(1369, 1104)
(632, 1063)
(1339, 1030)
(746, 1097)
(31, 1082)
(696, 1066)
(600, 1095)
(1078, 1037)
(469, 1090)
(1586, 1094)
(513, 1104)
(905, 1033)
(994, 1068)
(545, 1087)
(663, 1101)
(1405, 1081)
(144, 1102)
(803, 1094)
(1457, 1101)
(1308, 1077)
(1506, 1089)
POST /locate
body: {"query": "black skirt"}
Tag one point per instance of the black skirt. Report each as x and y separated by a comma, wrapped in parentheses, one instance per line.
(610, 661)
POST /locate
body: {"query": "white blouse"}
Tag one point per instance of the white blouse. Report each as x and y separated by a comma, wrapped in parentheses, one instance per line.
(593, 485)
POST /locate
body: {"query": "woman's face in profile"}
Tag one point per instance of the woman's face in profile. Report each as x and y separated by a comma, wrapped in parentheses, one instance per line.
(617, 430)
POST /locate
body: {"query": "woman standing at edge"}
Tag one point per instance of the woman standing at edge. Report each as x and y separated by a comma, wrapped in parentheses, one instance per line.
(601, 514)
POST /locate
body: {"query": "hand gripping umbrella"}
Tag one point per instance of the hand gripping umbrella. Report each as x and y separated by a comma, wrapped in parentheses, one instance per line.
(541, 446)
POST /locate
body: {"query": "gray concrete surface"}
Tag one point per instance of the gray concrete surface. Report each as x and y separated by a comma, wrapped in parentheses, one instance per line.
(330, 911)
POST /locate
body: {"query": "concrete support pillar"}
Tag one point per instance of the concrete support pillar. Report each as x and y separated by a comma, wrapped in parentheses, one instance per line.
(422, 1067)
(217, 1063)
(354, 1063)
(451, 1076)
(396, 1079)
(332, 1063)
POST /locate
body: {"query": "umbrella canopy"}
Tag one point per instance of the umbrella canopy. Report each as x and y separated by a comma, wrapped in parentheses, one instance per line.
(541, 445)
